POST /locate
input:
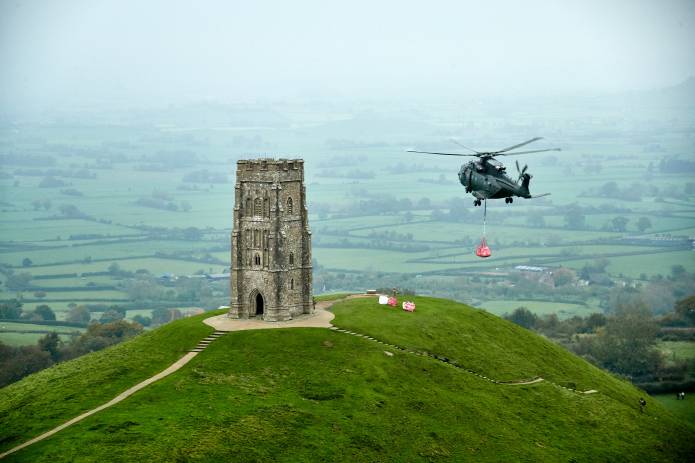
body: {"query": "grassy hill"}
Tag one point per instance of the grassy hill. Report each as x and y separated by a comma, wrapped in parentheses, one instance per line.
(314, 394)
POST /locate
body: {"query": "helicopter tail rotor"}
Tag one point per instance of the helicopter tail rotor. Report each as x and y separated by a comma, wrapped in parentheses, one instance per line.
(522, 172)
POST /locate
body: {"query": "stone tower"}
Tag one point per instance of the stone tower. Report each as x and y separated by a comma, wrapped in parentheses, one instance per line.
(271, 241)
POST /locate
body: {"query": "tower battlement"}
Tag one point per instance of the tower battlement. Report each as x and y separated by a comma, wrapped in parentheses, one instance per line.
(280, 170)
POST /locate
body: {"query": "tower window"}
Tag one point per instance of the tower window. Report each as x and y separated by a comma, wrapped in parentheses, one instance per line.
(258, 207)
(291, 258)
(292, 283)
(289, 205)
(258, 259)
(248, 206)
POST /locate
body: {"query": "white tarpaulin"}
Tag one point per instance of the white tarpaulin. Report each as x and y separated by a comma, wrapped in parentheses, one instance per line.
(383, 300)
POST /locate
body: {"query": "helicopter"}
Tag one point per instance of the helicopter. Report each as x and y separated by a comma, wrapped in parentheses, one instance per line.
(486, 177)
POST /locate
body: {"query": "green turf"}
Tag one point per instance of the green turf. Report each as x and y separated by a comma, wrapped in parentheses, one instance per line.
(684, 409)
(317, 395)
(45, 399)
(478, 340)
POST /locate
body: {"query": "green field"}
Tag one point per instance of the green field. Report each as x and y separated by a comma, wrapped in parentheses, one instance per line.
(21, 334)
(66, 296)
(25, 339)
(540, 308)
(34, 326)
(634, 266)
(678, 350)
(112, 226)
(343, 398)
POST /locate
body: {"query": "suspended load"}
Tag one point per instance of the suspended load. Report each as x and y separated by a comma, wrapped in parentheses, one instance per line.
(482, 250)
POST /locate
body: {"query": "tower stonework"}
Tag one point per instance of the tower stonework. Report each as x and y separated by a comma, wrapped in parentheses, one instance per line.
(271, 241)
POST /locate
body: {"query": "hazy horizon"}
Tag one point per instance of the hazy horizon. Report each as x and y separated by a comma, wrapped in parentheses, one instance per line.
(126, 54)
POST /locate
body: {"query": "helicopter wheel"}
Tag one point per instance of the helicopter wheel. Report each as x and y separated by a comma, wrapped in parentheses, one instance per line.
(477, 202)
(508, 200)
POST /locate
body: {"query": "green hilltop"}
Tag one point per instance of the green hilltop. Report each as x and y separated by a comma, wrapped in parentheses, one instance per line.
(314, 394)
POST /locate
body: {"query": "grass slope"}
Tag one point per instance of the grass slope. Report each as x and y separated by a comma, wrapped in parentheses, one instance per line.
(52, 396)
(317, 395)
(480, 341)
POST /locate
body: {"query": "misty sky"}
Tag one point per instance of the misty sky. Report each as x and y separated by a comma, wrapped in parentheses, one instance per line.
(140, 53)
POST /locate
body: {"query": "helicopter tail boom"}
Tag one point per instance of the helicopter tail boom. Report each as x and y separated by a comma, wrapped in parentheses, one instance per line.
(525, 181)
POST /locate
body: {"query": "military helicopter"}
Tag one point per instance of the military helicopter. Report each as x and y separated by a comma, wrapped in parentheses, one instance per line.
(486, 177)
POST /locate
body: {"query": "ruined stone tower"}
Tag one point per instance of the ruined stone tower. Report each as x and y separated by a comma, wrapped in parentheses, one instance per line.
(271, 241)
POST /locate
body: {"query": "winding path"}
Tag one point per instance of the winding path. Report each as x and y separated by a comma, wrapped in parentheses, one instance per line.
(123, 395)
(321, 318)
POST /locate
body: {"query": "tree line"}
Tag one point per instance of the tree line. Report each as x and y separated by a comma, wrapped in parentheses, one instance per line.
(18, 362)
(624, 342)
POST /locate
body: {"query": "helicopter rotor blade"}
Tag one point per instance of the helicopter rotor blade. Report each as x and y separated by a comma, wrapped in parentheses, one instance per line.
(440, 154)
(463, 146)
(519, 145)
(525, 152)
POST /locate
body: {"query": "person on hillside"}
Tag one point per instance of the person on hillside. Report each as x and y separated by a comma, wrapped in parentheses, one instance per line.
(642, 404)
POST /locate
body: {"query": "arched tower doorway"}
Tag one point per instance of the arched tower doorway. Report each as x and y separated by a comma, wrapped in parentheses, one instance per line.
(259, 304)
